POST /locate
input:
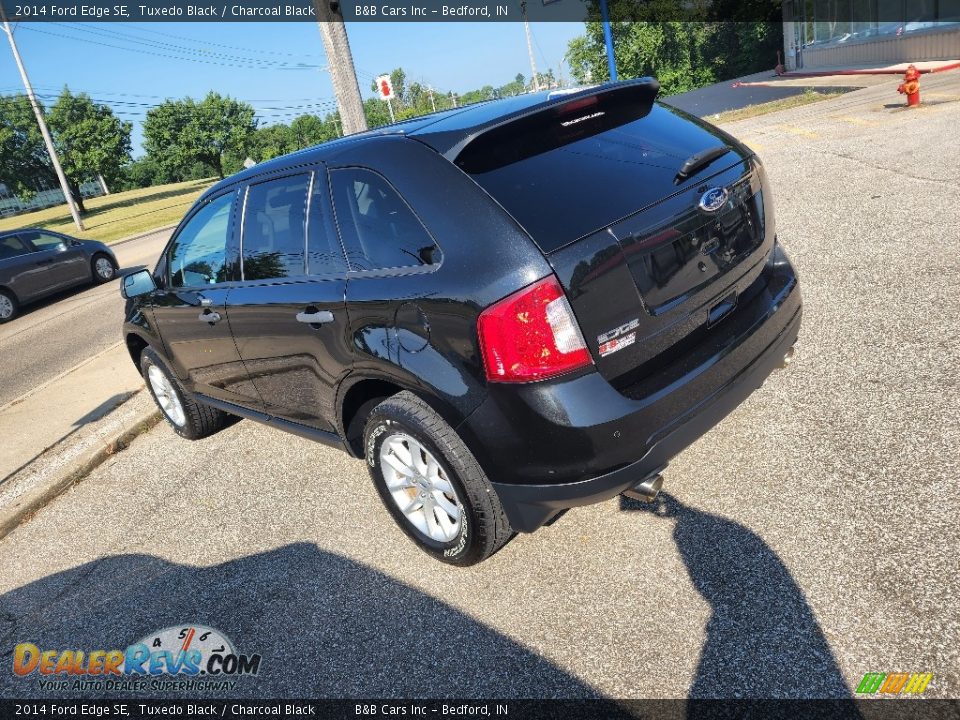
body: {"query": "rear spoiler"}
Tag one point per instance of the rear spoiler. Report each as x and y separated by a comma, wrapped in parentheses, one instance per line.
(635, 96)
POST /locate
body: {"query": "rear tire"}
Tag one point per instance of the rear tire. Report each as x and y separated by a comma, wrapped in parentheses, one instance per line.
(188, 418)
(103, 268)
(431, 484)
(9, 307)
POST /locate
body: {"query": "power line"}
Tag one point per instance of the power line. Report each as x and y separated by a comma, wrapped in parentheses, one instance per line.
(122, 37)
(252, 64)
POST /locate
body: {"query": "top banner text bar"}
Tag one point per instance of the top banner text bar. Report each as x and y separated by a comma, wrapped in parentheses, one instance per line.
(384, 10)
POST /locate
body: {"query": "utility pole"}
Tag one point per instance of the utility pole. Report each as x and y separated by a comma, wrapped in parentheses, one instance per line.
(48, 141)
(340, 61)
(533, 63)
(432, 103)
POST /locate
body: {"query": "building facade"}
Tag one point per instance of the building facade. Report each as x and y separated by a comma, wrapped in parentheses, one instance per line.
(840, 33)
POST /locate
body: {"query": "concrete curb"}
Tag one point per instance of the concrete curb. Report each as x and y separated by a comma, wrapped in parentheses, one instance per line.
(78, 468)
(138, 236)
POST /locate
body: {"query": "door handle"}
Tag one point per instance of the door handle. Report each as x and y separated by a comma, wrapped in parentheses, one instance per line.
(315, 318)
(209, 317)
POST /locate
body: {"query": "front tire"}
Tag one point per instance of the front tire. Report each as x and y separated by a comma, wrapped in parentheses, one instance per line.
(188, 418)
(8, 306)
(103, 269)
(431, 484)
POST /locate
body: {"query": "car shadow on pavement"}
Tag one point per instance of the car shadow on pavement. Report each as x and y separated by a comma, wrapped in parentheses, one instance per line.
(324, 625)
(763, 640)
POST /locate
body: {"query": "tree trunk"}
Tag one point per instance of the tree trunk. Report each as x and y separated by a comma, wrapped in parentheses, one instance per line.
(77, 196)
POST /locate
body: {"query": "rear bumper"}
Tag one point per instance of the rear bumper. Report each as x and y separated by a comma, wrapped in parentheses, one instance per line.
(552, 446)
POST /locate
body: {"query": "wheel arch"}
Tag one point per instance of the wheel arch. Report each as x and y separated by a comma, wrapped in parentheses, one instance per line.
(360, 394)
(135, 346)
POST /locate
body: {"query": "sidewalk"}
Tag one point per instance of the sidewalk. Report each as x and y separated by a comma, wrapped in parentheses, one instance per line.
(57, 409)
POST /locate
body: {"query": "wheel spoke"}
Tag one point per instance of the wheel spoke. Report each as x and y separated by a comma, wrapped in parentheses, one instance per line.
(415, 505)
(448, 527)
(397, 464)
(400, 484)
(432, 525)
(447, 507)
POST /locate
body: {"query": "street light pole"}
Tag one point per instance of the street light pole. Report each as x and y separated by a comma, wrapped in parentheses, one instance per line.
(608, 39)
(48, 141)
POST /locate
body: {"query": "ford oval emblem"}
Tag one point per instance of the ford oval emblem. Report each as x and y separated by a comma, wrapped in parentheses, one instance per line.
(713, 199)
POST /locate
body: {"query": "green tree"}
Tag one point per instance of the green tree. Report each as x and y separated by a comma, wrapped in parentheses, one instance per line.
(682, 55)
(179, 133)
(24, 163)
(309, 130)
(89, 139)
(272, 141)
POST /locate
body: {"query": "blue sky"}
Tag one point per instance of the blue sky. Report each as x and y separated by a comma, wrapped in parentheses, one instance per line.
(131, 66)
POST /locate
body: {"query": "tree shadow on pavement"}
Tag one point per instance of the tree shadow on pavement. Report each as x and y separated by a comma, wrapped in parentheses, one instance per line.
(762, 638)
(324, 625)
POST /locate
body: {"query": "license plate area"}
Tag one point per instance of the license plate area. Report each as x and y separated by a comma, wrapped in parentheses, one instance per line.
(723, 308)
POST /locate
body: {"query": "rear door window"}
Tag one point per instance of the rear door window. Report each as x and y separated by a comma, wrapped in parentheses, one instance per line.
(378, 228)
(12, 246)
(274, 229)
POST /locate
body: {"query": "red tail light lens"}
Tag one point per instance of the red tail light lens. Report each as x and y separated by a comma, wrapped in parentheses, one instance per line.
(531, 335)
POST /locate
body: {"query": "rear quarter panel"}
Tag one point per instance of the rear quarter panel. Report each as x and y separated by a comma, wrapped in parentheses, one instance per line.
(417, 327)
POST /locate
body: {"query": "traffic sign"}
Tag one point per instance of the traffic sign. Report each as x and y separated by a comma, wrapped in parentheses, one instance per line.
(384, 87)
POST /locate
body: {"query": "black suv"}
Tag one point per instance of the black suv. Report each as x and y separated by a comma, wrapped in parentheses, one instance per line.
(507, 310)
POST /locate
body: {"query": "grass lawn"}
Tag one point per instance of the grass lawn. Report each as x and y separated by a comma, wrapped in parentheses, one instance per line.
(119, 215)
(804, 98)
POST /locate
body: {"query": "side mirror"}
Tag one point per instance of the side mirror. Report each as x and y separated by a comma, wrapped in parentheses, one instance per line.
(137, 284)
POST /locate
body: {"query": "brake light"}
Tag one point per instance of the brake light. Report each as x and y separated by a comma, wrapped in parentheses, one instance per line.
(531, 335)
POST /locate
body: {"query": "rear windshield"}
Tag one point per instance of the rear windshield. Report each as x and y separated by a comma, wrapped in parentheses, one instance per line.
(563, 176)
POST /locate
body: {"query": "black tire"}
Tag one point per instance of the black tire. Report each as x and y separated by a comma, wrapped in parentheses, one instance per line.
(484, 527)
(199, 420)
(9, 298)
(97, 277)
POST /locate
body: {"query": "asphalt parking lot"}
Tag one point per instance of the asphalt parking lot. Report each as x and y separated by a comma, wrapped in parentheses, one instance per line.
(810, 538)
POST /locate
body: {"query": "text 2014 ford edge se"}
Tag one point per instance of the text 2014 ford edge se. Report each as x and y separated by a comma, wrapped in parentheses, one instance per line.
(506, 310)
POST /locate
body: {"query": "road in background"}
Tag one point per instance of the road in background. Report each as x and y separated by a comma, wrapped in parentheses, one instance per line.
(808, 539)
(62, 331)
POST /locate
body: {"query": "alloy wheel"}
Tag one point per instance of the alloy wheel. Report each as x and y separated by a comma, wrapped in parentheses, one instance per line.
(104, 268)
(420, 488)
(6, 308)
(166, 396)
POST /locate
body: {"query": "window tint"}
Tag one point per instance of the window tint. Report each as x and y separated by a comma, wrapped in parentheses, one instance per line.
(11, 246)
(45, 241)
(274, 223)
(324, 254)
(198, 255)
(378, 228)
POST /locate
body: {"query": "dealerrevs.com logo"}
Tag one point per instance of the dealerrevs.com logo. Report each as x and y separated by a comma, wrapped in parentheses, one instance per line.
(189, 657)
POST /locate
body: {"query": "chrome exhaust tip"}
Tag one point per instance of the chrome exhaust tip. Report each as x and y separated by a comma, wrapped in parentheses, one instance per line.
(786, 359)
(646, 490)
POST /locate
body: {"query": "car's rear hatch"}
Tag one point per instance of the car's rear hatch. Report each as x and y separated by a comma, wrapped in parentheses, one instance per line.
(653, 221)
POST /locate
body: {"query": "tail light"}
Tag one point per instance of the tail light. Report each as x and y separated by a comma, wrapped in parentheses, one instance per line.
(531, 335)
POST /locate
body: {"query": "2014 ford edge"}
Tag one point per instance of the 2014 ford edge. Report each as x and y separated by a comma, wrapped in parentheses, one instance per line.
(506, 310)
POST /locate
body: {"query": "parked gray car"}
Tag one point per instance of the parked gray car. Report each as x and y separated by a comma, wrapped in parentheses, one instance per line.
(35, 263)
